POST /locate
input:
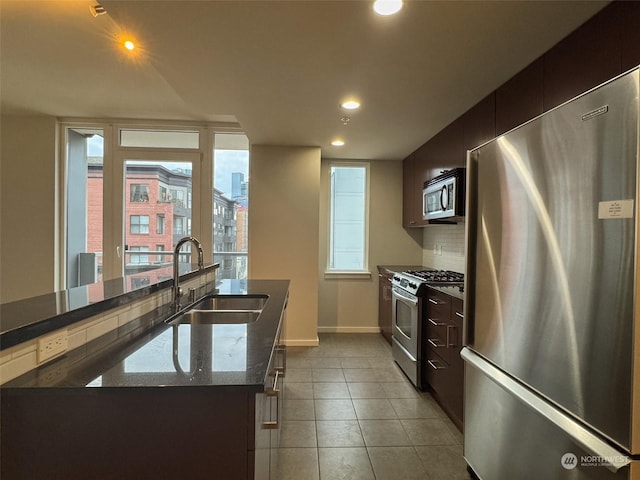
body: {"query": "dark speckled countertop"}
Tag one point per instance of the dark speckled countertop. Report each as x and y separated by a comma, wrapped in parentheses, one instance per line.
(152, 353)
(29, 318)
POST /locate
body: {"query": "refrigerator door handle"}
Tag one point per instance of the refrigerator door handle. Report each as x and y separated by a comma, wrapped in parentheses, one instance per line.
(468, 308)
(577, 432)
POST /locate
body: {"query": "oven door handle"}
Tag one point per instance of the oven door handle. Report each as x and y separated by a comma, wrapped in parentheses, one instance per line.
(408, 298)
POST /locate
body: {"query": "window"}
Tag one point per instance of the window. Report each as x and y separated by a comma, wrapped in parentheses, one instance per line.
(139, 282)
(178, 225)
(149, 162)
(137, 258)
(230, 193)
(139, 193)
(139, 224)
(348, 229)
(163, 194)
(160, 224)
(177, 197)
(159, 138)
(159, 258)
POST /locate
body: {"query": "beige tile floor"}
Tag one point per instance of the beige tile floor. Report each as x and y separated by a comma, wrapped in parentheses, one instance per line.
(350, 414)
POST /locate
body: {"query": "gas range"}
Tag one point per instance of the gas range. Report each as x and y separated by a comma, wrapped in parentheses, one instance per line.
(415, 281)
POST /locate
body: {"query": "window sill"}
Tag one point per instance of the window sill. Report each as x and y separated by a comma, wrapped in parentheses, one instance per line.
(347, 275)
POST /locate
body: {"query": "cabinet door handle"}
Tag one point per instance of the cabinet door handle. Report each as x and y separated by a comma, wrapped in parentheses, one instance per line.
(435, 302)
(274, 392)
(436, 365)
(434, 323)
(459, 315)
(282, 349)
(435, 343)
(449, 343)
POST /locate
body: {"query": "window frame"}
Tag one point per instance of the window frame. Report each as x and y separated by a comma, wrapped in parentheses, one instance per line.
(115, 155)
(365, 272)
(161, 224)
(139, 224)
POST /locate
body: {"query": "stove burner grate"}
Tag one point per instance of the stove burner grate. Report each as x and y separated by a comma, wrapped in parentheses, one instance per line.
(439, 276)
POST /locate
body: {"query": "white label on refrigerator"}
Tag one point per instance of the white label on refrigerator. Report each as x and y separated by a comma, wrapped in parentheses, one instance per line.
(615, 209)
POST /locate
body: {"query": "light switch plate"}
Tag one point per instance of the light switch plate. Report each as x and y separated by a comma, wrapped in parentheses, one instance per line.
(52, 345)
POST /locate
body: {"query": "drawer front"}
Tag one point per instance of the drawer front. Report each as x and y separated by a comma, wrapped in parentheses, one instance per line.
(438, 306)
(446, 380)
(436, 370)
(457, 315)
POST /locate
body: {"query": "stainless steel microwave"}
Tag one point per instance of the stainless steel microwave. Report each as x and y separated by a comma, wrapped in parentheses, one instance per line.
(443, 196)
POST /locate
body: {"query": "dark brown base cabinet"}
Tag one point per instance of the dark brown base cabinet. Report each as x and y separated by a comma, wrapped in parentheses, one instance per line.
(443, 368)
(200, 432)
(384, 302)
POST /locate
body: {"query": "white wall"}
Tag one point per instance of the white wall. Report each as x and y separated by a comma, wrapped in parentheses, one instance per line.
(283, 230)
(351, 305)
(28, 215)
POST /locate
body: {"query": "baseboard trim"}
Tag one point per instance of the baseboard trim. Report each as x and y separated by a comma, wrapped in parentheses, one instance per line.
(302, 343)
(347, 329)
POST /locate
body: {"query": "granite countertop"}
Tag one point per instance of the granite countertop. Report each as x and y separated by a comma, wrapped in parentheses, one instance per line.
(400, 268)
(453, 291)
(23, 320)
(142, 354)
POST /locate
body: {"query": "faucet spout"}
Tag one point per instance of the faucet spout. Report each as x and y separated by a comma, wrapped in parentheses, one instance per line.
(177, 291)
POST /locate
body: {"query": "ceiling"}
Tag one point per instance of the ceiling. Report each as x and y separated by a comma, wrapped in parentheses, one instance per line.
(279, 68)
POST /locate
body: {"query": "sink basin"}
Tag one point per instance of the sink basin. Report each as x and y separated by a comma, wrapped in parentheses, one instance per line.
(223, 309)
(232, 302)
(217, 317)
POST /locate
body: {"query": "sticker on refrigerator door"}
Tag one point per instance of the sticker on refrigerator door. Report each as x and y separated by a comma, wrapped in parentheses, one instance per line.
(615, 209)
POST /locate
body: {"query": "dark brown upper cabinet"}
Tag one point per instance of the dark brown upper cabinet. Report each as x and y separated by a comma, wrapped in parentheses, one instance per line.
(479, 124)
(520, 98)
(444, 151)
(629, 15)
(586, 58)
(411, 210)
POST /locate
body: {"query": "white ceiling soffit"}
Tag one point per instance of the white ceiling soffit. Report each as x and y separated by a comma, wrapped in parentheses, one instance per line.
(280, 68)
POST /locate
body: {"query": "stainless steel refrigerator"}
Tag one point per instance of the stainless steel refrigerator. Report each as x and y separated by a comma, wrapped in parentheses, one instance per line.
(552, 356)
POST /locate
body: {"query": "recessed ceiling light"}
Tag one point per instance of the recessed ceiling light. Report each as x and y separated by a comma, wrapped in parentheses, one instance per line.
(337, 142)
(350, 105)
(387, 7)
(129, 45)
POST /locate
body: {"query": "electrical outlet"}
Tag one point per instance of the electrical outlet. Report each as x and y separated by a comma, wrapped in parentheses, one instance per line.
(52, 345)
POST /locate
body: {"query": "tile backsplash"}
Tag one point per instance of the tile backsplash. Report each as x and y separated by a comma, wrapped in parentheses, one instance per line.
(443, 247)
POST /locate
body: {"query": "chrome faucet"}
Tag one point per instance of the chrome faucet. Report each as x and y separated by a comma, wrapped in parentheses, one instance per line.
(177, 291)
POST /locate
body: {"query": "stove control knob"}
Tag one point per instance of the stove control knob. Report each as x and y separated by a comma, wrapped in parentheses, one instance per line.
(396, 278)
(412, 285)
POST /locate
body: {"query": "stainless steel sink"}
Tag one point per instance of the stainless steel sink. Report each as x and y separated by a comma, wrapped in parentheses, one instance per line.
(217, 317)
(223, 309)
(232, 302)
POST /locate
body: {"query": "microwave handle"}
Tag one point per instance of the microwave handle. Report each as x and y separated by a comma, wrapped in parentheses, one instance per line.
(444, 200)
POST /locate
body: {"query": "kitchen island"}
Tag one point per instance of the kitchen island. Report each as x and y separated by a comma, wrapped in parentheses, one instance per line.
(164, 401)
